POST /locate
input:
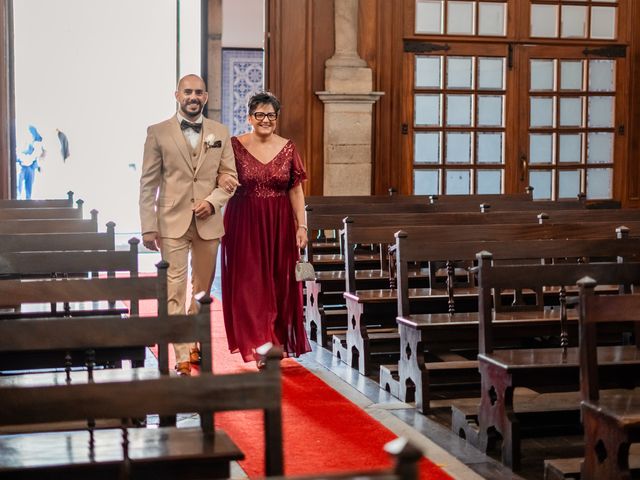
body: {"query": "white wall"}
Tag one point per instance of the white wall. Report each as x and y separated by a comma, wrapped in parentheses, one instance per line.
(101, 71)
(243, 23)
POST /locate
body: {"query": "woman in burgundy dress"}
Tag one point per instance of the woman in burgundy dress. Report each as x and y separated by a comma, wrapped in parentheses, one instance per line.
(264, 230)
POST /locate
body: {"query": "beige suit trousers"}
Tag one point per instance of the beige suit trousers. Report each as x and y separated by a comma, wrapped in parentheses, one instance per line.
(203, 266)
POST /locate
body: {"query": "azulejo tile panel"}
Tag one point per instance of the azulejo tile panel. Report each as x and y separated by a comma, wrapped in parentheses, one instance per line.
(242, 76)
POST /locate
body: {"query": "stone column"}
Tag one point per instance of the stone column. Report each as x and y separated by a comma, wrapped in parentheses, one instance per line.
(348, 101)
(214, 76)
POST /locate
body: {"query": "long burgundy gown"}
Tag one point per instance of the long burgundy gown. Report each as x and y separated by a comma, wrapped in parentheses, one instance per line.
(261, 299)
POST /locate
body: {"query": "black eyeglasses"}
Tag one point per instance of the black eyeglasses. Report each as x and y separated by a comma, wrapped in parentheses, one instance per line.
(261, 116)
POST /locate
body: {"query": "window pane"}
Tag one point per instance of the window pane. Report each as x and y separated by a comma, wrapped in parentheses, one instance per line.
(542, 75)
(541, 183)
(489, 181)
(570, 148)
(544, 21)
(491, 73)
(599, 183)
(541, 112)
(600, 112)
(490, 148)
(428, 72)
(426, 148)
(458, 148)
(491, 19)
(568, 184)
(571, 112)
(458, 182)
(490, 111)
(574, 21)
(425, 182)
(427, 109)
(601, 75)
(540, 148)
(603, 22)
(460, 18)
(600, 147)
(459, 110)
(429, 16)
(459, 71)
(571, 75)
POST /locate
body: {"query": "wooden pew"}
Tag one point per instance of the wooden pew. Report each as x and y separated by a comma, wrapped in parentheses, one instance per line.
(440, 334)
(380, 305)
(47, 203)
(611, 422)
(552, 369)
(67, 225)
(40, 242)
(165, 452)
(40, 213)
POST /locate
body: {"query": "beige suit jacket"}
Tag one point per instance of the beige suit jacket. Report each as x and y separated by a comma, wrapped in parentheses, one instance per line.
(170, 186)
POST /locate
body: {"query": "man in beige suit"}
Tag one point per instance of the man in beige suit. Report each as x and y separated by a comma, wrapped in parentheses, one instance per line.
(180, 200)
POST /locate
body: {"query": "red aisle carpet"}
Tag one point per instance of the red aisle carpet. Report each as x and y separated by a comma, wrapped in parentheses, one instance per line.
(323, 431)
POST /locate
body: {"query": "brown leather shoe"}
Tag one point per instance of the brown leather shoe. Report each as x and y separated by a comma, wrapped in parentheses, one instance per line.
(183, 369)
(194, 356)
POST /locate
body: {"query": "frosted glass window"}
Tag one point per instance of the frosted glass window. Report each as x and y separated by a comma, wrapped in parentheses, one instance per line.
(426, 182)
(458, 148)
(599, 183)
(542, 74)
(544, 21)
(489, 181)
(541, 183)
(601, 75)
(568, 183)
(571, 75)
(427, 109)
(491, 73)
(426, 147)
(491, 19)
(600, 147)
(459, 72)
(603, 22)
(570, 148)
(428, 72)
(490, 110)
(541, 112)
(574, 21)
(459, 110)
(460, 18)
(458, 182)
(600, 112)
(540, 148)
(571, 112)
(429, 16)
(490, 147)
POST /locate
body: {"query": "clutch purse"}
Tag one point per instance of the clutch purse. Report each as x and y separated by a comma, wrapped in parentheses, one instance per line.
(304, 271)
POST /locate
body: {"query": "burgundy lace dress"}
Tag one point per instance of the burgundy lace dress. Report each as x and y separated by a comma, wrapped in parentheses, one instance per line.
(261, 299)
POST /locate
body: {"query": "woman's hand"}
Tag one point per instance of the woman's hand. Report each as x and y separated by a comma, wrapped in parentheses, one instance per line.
(227, 182)
(301, 237)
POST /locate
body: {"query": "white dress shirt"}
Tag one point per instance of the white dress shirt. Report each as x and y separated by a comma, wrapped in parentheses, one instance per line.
(191, 135)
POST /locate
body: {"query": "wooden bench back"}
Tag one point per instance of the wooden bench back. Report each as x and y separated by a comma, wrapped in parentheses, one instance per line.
(53, 202)
(40, 242)
(595, 309)
(504, 277)
(63, 225)
(70, 262)
(39, 213)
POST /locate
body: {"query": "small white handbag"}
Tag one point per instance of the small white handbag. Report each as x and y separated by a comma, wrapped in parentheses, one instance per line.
(304, 271)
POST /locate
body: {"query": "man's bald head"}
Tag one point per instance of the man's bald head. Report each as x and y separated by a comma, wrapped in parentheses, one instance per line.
(191, 95)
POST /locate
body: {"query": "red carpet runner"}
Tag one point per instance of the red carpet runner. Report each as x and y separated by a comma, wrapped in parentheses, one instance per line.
(323, 431)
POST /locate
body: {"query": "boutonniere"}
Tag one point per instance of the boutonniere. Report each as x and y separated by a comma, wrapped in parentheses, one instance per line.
(209, 141)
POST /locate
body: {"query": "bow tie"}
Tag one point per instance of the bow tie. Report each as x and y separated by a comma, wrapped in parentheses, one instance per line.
(196, 127)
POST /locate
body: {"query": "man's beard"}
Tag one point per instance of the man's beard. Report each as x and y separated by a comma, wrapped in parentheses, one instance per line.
(189, 114)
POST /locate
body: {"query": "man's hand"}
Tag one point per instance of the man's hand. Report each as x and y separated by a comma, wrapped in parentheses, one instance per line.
(227, 182)
(203, 210)
(151, 241)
